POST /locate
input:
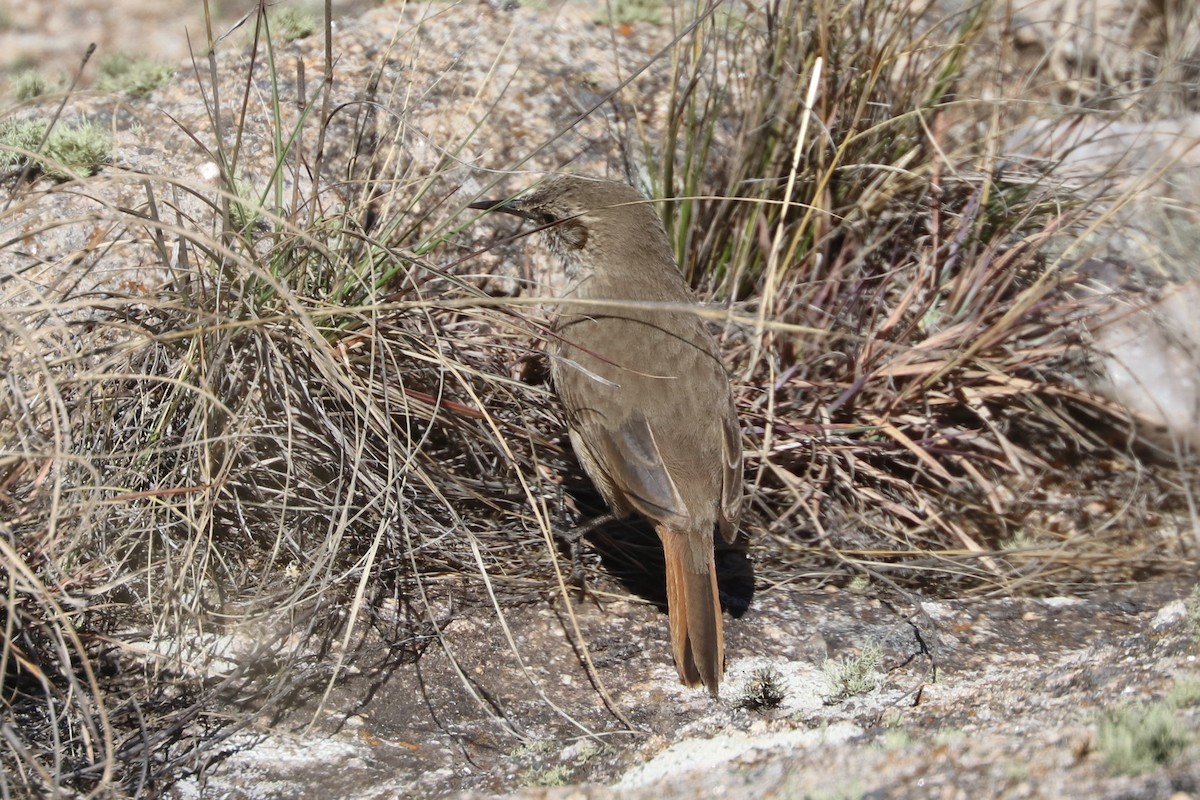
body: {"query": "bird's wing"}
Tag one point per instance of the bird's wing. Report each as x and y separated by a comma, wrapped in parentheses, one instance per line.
(731, 475)
(632, 458)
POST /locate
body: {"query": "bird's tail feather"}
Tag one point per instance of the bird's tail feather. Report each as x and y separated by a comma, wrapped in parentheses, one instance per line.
(694, 610)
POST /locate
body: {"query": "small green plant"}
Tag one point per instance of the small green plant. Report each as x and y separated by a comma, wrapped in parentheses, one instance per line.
(853, 675)
(82, 148)
(289, 24)
(851, 792)
(1186, 692)
(586, 751)
(1020, 540)
(28, 84)
(1137, 739)
(628, 11)
(27, 135)
(764, 690)
(70, 151)
(135, 75)
(245, 212)
(536, 747)
(948, 736)
(1192, 604)
(558, 775)
(859, 584)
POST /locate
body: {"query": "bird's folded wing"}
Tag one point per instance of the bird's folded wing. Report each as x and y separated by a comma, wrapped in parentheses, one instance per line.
(731, 477)
(633, 461)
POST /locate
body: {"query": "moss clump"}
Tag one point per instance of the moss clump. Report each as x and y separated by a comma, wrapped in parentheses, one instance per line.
(70, 151)
(1186, 692)
(135, 75)
(289, 24)
(559, 775)
(16, 136)
(1192, 604)
(628, 11)
(1137, 739)
(28, 84)
(853, 675)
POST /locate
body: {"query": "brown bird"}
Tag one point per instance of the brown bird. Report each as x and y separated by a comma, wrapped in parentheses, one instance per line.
(648, 402)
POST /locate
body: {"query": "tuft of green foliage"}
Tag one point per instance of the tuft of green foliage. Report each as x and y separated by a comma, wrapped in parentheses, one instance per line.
(946, 736)
(851, 791)
(534, 747)
(245, 212)
(1139, 738)
(30, 83)
(289, 24)
(1020, 540)
(623, 12)
(764, 690)
(133, 75)
(1186, 692)
(1192, 604)
(859, 584)
(558, 775)
(23, 135)
(851, 676)
(69, 151)
(587, 751)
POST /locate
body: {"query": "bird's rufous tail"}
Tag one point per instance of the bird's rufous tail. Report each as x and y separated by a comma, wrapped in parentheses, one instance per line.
(694, 609)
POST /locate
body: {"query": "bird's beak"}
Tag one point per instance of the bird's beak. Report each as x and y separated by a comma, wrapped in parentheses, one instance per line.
(512, 206)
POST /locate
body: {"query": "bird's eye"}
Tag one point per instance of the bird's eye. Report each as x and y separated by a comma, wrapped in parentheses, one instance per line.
(546, 218)
(573, 234)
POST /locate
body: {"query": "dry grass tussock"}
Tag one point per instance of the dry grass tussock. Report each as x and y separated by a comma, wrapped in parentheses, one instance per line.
(320, 421)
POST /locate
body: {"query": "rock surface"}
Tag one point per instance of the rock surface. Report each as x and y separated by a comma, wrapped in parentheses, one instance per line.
(998, 697)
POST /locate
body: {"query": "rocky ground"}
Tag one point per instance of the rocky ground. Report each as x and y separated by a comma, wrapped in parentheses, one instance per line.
(998, 696)
(975, 698)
